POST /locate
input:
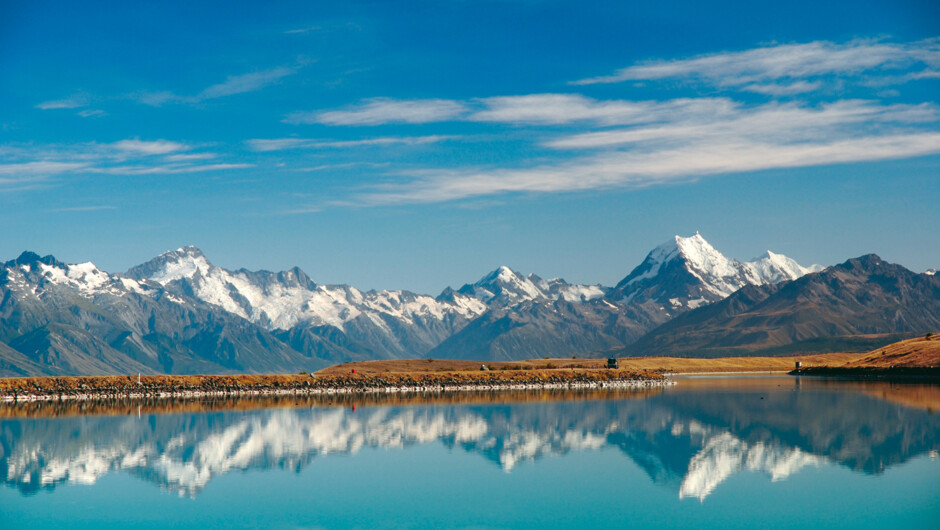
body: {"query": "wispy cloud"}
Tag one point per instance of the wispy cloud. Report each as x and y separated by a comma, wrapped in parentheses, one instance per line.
(249, 82)
(166, 169)
(378, 111)
(188, 157)
(283, 144)
(29, 165)
(92, 113)
(755, 67)
(72, 102)
(682, 147)
(555, 109)
(531, 109)
(300, 31)
(233, 84)
(31, 175)
(347, 165)
(643, 168)
(156, 147)
(774, 122)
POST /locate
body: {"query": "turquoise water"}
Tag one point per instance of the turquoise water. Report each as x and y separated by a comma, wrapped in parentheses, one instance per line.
(707, 453)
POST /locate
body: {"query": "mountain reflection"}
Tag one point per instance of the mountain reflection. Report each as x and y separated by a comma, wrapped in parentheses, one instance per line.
(691, 437)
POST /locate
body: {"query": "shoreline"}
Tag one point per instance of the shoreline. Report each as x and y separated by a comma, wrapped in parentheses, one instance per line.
(871, 372)
(199, 387)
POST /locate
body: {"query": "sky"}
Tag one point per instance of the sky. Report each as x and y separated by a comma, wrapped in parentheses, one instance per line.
(418, 145)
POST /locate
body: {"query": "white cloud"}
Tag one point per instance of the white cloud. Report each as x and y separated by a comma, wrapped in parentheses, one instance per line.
(283, 144)
(300, 31)
(155, 99)
(167, 169)
(233, 84)
(379, 111)
(554, 109)
(642, 168)
(90, 113)
(250, 82)
(38, 168)
(781, 89)
(785, 61)
(188, 157)
(773, 122)
(157, 147)
(26, 166)
(71, 102)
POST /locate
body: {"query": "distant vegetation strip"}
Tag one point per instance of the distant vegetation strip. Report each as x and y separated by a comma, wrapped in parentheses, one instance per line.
(116, 387)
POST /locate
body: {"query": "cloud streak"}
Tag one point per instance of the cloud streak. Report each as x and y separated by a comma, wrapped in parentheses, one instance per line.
(31, 166)
(773, 122)
(378, 111)
(233, 85)
(643, 168)
(752, 68)
(72, 102)
(284, 144)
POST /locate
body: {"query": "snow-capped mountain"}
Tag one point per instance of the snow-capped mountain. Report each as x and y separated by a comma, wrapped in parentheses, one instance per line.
(505, 287)
(285, 299)
(180, 313)
(57, 319)
(688, 272)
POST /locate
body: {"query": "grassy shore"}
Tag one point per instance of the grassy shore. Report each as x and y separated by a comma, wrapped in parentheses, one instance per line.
(675, 365)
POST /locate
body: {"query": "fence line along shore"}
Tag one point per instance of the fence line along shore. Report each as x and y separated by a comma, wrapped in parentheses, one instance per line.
(201, 386)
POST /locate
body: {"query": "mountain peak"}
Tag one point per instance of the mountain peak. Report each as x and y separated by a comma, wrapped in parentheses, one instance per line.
(501, 274)
(189, 250)
(30, 258)
(184, 262)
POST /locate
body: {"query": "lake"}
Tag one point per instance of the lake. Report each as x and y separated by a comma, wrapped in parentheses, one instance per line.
(708, 452)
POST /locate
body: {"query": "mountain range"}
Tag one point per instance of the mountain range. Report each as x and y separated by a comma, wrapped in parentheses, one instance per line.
(179, 313)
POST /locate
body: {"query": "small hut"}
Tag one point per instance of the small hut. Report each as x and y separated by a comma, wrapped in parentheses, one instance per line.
(612, 362)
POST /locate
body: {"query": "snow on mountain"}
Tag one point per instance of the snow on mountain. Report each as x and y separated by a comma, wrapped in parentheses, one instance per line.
(930, 272)
(776, 268)
(31, 275)
(687, 272)
(283, 300)
(505, 287)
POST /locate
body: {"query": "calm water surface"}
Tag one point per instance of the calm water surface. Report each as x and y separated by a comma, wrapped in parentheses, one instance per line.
(747, 452)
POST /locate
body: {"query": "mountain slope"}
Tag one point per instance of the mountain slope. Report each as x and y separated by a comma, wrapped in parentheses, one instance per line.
(862, 296)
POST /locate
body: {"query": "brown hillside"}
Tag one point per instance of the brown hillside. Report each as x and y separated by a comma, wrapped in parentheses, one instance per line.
(919, 352)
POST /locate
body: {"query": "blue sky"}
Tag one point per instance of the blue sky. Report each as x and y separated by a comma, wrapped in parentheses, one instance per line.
(420, 144)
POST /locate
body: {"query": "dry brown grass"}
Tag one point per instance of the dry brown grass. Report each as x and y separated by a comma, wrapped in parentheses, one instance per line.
(913, 353)
(656, 364)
